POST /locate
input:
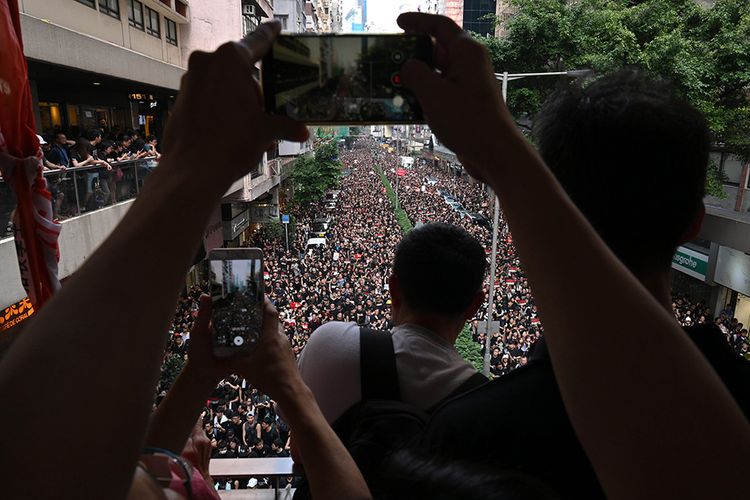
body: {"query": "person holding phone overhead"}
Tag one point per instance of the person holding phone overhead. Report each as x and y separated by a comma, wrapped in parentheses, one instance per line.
(627, 405)
(220, 101)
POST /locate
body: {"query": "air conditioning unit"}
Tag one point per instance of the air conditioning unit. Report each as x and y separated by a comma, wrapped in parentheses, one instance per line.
(248, 10)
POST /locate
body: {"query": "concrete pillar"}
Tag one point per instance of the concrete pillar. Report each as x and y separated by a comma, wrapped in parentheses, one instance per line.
(35, 104)
(742, 189)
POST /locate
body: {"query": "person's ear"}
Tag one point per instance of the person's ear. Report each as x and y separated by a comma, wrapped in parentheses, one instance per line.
(695, 226)
(476, 303)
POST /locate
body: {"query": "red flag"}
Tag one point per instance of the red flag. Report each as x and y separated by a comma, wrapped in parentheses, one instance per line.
(401, 172)
(20, 162)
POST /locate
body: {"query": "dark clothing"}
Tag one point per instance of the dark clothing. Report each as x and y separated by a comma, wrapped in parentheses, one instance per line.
(519, 421)
(59, 155)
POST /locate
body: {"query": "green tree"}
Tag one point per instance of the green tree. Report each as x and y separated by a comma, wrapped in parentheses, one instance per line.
(704, 52)
(313, 176)
(468, 349)
(401, 218)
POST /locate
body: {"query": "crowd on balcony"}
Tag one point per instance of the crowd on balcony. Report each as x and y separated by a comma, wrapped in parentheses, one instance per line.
(102, 156)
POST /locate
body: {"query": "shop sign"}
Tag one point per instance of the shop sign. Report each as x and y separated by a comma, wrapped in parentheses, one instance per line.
(690, 262)
(233, 228)
(733, 270)
(141, 97)
(15, 314)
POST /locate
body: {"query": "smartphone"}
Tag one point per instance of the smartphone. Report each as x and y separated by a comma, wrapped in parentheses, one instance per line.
(343, 79)
(236, 286)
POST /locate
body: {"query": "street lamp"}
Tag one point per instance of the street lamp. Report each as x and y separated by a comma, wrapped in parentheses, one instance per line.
(505, 78)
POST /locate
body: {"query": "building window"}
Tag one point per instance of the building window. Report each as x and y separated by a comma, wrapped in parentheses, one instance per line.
(152, 23)
(283, 19)
(135, 14)
(88, 3)
(249, 24)
(181, 8)
(171, 31)
(110, 7)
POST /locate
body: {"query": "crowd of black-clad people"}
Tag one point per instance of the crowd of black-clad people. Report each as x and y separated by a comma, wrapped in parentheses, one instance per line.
(347, 280)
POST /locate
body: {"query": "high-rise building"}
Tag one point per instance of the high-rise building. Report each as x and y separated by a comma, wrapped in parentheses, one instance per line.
(479, 16)
(328, 13)
(291, 15)
(455, 10)
(505, 11)
(354, 16)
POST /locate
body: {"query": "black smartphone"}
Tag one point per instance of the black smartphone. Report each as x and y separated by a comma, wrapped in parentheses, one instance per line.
(236, 281)
(343, 79)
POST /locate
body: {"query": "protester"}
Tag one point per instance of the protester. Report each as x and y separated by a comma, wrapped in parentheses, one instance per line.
(626, 404)
(68, 350)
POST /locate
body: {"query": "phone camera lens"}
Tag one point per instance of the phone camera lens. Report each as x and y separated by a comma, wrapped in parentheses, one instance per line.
(238, 340)
(397, 56)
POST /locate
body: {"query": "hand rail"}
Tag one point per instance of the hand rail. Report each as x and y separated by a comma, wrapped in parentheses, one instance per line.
(77, 190)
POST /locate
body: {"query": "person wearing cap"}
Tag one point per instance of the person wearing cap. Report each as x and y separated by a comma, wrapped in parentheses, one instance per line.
(46, 163)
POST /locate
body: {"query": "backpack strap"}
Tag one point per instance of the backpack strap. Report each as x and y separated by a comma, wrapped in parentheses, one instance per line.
(377, 361)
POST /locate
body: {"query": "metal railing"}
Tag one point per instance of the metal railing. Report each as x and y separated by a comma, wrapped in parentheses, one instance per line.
(76, 191)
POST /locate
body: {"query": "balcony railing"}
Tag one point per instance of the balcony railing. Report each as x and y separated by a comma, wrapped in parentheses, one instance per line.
(76, 191)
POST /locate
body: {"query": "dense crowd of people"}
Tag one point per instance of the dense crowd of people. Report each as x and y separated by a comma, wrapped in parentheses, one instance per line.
(515, 325)
(347, 280)
(100, 148)
(690, 313)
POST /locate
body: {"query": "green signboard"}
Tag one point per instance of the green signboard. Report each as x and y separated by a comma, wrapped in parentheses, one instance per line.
(690, 262)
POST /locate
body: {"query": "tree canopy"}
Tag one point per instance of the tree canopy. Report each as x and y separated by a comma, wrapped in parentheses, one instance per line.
(314, 175)
(705, 52)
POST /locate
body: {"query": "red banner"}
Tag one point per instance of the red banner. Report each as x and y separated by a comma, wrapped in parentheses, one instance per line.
(20, 162)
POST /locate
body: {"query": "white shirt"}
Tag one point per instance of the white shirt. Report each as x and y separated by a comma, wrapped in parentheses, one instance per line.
(429, 367)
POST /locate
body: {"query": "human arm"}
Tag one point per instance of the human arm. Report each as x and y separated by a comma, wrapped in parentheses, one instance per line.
(272, 369)
(174, 418)
(627, 404)
(53, 166)
(82, 163)
(104, 164)
(144, 263)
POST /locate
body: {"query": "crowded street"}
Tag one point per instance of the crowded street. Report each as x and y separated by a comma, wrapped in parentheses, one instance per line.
(347, 280)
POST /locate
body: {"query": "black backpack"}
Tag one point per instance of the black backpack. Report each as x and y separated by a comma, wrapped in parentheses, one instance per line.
(381, 423)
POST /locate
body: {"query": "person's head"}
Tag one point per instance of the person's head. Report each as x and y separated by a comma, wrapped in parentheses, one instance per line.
(107, 147)
(438, 270)
(94, 136)
(44, 143)
(60, 139)
(632, 155)
(82, 147)
(235, 419)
